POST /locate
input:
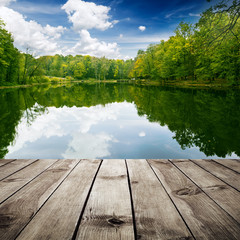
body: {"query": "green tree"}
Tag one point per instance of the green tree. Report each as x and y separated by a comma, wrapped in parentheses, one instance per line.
(9, 56)
(79, 70)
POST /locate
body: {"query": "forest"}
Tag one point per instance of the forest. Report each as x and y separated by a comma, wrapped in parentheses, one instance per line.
(206, 51)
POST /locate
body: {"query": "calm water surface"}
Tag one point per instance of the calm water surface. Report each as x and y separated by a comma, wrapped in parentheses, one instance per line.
(118, 121)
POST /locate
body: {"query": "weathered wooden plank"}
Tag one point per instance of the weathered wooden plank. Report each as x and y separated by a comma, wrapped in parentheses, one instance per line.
(203, 216)
(5, 161)
(155, 215)
(14, 166)
(233, 164)
(108, 212)
(230, 177)
(63, 209)
(224, 195)
(17, 180)
(18, 210)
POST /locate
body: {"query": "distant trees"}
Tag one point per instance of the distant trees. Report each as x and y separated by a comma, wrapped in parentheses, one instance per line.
(208, 50)
(23, 68)
(86, 67)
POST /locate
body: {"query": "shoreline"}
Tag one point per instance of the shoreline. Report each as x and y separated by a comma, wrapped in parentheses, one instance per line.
(180, 84)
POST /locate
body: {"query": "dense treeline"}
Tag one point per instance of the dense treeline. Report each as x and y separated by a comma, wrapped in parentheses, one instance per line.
(85, 67)
(208, 50)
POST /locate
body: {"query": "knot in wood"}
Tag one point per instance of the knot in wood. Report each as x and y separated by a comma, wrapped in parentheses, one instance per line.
(188, 191)
(115, 221)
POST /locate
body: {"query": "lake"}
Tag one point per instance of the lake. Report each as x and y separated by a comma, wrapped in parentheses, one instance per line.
(118, 120)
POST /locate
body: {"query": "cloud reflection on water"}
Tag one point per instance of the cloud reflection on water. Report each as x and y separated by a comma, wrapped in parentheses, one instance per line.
(111, 131)
(75, 123)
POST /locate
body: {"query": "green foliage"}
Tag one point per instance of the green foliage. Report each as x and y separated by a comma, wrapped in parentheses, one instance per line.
(207, 51)
(86, 67)
(9, 57)
(16, 67)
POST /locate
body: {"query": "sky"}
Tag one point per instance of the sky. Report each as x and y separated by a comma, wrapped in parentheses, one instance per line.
(110, 28)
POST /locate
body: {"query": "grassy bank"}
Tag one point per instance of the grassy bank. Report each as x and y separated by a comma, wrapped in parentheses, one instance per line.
(219, 83)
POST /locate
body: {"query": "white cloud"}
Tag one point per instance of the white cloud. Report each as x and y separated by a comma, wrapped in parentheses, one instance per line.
(88, 15)
(94, 47)
(115, 21)
(43, 40)
(183, 9)
(92, 146)
(194, 15)
(6, 2)
(54, 32)
(30, 34)
(142, 134)
(121, 35)
(63, 122)
(127, 58)
(142, 28)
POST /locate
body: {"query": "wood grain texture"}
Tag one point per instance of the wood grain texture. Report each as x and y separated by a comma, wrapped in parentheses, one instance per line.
(203, 216)
(14, 166)
(17, 180)
(73, 199)
(108, 212)
(5, 161)
(155, 215)
(224, 195)
(230, 163)
(230, 177)
(18, 210)
(63, 209)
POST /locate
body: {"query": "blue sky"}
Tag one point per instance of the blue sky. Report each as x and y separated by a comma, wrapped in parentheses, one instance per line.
(111, 28)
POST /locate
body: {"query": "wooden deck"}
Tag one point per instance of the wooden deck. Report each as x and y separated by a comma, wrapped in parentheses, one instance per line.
(119, 199)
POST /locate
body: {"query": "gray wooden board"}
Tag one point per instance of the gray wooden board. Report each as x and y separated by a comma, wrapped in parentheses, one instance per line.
(234, 164)
(203, 216)
(227, 175)
(155, 215)
(18, 210)
(108, 212)
(224, 195)
(58, 218)
(14, 166)
(5, 161)
(17, 180)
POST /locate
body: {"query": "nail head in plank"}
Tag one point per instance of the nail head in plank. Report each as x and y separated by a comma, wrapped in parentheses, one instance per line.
(17, 180)
(203, 216)
(63, 209)
(224, 195)
(155, 214)
(18, 210)
(108, 213)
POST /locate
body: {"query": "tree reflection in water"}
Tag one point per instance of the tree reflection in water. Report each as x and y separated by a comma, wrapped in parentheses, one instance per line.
(208, 119)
